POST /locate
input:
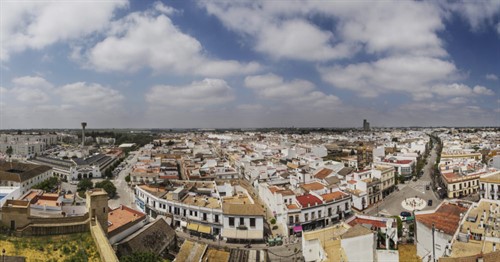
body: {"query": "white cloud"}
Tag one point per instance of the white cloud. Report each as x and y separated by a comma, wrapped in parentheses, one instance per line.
(31, 24)
(457, 101)
(297, 92)
(165, 9)
(406, 74)
(299, 39)
(476, 13)
(32, 81)
(31, 89)
(281, 28)
(149, 39)
(461, 90)
(481, 90)
(492, 77)
(452, 90)
(208, 92)
(90, 95)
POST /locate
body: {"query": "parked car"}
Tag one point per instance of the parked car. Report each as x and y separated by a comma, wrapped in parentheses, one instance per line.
(429, 203)
(427, 187)
(405, 214)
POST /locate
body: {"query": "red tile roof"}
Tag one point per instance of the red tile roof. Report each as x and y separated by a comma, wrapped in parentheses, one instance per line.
(361, 221)
(333, 196)
(446, 218)
(122, 216)
(308, 200)
(323, 173)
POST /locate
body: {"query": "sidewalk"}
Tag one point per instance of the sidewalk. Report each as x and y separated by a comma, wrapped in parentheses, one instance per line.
(222, 243)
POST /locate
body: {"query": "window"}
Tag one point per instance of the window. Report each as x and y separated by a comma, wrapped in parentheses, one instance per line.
(190, 212)
(329, 211)
(231, 221)
(252, 221)
(346, 206)
(306, 217)
(319, 213)
(204, 216)
(104, 210)
(216, 218)
(242, 221)
(312, 215)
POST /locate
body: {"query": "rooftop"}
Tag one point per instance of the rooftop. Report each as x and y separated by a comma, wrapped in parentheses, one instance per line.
(323, 173)
(242, 210)
(20, 172)
(308, 200)
(121, 216)
(191, 251)
(445, 218)
(313, 186)
(356, 231)
(334, 196)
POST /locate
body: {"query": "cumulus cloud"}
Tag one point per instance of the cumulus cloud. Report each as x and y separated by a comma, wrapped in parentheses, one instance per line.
(150, 40)
(476, 13)
(461, 90)
(91, 95)
(208, 92)
(406, 74)
(33, 101)
(282, 30)
(295, 92)
(492, 77)
(30, 24)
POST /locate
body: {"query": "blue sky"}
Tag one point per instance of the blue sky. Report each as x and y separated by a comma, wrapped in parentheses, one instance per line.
(176, 64)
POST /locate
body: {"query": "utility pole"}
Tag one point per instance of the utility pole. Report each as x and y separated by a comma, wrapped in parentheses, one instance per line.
(433, 244)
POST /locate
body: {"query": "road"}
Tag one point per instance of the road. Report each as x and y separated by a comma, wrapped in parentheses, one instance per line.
(391, 205)
(124, 194)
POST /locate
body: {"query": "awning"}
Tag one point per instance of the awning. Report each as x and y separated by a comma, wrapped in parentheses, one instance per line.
(242, 234)
(204, 229)
(199, 228)
(193, 226)
(297, 229)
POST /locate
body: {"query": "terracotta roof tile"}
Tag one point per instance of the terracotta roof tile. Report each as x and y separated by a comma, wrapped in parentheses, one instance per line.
(446, 218)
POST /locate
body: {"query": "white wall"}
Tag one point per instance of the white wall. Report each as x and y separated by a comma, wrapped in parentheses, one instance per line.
(424, 242)
(127, 232)
(361, 248)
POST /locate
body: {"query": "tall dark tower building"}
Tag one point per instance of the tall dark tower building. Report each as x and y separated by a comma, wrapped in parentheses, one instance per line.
(84, 124)
(366, 125)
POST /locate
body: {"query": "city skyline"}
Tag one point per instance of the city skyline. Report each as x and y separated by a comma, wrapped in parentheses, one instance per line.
(220, 64)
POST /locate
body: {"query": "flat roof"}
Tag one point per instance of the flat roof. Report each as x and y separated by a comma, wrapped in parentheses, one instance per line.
(191, 251)
(121, 216)
(242, 210)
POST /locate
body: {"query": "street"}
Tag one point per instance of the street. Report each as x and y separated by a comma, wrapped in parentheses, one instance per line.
(391, 205)
(124, 194)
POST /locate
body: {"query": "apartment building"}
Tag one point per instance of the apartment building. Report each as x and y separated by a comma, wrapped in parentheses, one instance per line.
(489, 185)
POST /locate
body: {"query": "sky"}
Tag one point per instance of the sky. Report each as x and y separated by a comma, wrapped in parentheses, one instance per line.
(248, 64)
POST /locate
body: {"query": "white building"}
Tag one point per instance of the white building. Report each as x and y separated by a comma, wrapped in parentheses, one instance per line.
(489, 185)
(23, 176)
(442, 222)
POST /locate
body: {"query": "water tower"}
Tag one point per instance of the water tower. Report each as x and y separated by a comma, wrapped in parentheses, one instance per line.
(84, 124)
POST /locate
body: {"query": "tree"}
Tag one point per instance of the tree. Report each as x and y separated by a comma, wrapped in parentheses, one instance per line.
(400, 225)
(47, 185)
(141, 257)
(85, 184)
(127, 178)
(108, 186)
